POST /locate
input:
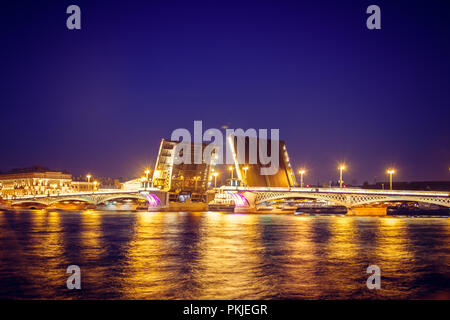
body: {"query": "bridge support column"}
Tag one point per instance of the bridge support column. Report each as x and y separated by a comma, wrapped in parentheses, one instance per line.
(366, 211)
(157, 201)
(244, 202)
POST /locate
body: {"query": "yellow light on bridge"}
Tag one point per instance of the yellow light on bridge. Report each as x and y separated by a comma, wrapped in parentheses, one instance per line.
(245, 175)
(88, 177)
(147, 173)
(301, 172)
(390, 172)
(215, 174)
(341, 168)
(230, 168)
(196, 178)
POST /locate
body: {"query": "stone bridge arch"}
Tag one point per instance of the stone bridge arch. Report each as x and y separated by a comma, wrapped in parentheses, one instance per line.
(29, 201)
(337, 199)
(104, 199)
(57, 200)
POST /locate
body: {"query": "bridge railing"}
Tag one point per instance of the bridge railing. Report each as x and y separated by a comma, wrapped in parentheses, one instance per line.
(69, 194)
(340, 191)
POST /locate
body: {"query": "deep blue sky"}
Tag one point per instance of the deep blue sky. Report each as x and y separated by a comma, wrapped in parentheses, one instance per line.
(100, 99)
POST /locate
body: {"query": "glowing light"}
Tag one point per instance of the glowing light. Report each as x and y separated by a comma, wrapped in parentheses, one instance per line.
(153, 200)
(239, 199)
(390, 172)
(301, 173)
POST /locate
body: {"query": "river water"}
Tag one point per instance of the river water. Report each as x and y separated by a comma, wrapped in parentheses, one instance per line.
(211, 255)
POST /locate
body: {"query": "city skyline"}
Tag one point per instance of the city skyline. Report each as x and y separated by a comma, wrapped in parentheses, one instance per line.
(100, 99)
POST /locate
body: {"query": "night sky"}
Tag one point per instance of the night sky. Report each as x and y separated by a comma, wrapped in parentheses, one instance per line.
(101, 98)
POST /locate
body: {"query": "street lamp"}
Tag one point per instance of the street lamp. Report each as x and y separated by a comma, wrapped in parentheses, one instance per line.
(147, 179)
(341, 168)
(196, 178)
(230, 168)
(88, 176)
(245, 175)
(390, 172)
(95, 185)
(301, 172)
(215, 174)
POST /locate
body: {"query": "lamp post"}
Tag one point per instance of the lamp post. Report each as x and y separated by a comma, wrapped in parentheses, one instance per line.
(196, 178)
(147, 181)
(230, 168)
(301, 172)
(341, 168)
(88, 177)
(390, 172)
(215, 174)
(245, 175)
(95, 185)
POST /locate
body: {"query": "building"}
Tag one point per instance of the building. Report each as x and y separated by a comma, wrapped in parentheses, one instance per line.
(132, 185)
(82, 186)
(39, 181)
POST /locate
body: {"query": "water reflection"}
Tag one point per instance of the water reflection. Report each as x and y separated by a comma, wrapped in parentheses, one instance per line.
(211, 255)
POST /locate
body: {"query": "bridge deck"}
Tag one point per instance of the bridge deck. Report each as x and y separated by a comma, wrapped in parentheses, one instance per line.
(342, 191)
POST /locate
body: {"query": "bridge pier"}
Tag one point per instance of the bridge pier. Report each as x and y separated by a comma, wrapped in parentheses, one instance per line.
(157, 201)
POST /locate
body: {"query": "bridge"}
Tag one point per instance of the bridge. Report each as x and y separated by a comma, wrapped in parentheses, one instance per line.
(155, 197)
(249, 198)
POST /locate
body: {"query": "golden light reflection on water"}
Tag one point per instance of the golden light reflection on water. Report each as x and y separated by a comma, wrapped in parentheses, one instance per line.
(303, 266)
(394, 256)
(392, 248)
(231, 261)
(44, 243)
(144, 276)
(210, 255)
(90, 231)
(341, 274)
